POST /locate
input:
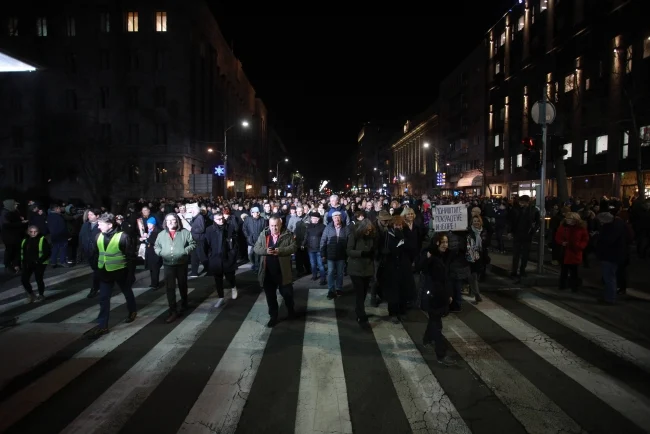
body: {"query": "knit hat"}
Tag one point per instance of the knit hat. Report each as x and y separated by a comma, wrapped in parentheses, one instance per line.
(151, 221)
(255, 209)
(314, 214)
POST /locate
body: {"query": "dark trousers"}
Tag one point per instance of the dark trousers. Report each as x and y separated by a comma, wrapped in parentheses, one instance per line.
(123, 281)
(195, 261)
(271, 285)
(302, 262)
(95, 276)
(154, 274)
(569, 272)
(12, 256)
(174, 273)
(433, 333)
(520, 250)
(621, 276)
(59, 253)
(39, 271)
(500, 233)
(218, 281)
(361, 286)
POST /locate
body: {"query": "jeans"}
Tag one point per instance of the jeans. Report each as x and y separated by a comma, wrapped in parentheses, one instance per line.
(253, 258)
(59, 250)
(317, 264)
(456, 292)
(609, 279)
(335, 267)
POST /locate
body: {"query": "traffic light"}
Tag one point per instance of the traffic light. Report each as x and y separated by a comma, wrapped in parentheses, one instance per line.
(531, 154)
(555, 148)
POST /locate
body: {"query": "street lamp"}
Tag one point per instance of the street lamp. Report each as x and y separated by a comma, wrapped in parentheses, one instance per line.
(426, 144)
(225, 157)
(277, 167)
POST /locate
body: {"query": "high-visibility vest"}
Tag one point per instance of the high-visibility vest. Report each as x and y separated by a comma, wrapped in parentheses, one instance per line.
(40, 250)
(111, 258)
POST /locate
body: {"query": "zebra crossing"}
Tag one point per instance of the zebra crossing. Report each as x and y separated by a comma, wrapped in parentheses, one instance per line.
(525, 365)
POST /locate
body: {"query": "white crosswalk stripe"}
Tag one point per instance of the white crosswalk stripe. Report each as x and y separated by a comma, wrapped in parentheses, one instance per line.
(318, 401)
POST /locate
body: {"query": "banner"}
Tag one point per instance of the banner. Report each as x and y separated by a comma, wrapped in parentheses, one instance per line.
(450, 218)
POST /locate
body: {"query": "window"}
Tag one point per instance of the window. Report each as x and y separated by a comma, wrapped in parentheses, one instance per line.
(497, 68)
(521, 22)
(626, 143)
(601, 144)
(532, 15)
(585, 152)
(131, 21)
(19, 173)
(161, 173)
(587, 84)
(646, 47)
(104, 97)
(543, 5)
(628, 60)
(106, 134)
(12, 26)
(104, 60)
(70, 27)
(161, 134)
(501, 164)
(71, 99)
(502, 39)
(496, 141)
(18, 137)
(193, 169)
(160, 96)
(502, 113)
(134, 60)
(568, 147)
(134, 134)
(569, 82)
(161, 56)
(520, 160)
(132, 101)
(644, 135)
(71, 63)
(104, 22)
(41, 26)
(161, 21)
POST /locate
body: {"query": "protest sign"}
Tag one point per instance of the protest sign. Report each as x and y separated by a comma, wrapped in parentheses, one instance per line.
(450, 218)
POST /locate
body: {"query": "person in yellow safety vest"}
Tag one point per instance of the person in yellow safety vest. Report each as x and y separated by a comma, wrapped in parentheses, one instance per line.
(114, 252)
(34, 256)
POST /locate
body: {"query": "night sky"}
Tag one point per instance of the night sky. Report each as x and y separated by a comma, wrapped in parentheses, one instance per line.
(322, 77)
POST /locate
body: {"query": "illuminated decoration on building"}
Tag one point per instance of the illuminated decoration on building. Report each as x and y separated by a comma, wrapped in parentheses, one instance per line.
(275, 179)
(220, 171)
(322, 185)
(10, 64)
(441, 179)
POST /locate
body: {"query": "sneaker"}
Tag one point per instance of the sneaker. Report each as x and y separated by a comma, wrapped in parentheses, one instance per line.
(219, 303)
(331, 296)
(30, 298)
(131, 317)
(96, 332)
(40, 298)
(339, 292)
(93, 292)
(234, 293)
(447, 361)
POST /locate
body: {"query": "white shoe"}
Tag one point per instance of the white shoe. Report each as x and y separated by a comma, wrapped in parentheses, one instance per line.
(234, 293)
(219, 303)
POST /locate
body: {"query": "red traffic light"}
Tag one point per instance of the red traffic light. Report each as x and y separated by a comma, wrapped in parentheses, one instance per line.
(528, 143)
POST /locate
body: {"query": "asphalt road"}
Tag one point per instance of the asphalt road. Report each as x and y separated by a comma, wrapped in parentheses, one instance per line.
(526, 362)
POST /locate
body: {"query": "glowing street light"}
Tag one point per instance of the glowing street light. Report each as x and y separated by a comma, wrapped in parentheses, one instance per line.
(225, 156)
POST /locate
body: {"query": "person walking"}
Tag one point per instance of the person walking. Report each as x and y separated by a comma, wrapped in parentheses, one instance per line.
(35, 253)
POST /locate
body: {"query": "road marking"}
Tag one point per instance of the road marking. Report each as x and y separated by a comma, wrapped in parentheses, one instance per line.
(534, 410)
(322, 394)
(112, 410)
(424, 402)
(90, 314)
(222, 401)
(53, 306)
(602, 337)
(48, 282)
(27, 399)
(613, 392)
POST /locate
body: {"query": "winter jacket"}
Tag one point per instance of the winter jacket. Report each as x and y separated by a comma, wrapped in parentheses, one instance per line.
(286, 247)
(332, 246)
(174, 251)
(576, 237)
(313, 235)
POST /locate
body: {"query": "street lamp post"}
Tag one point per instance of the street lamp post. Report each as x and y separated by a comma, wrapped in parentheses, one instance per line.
(277, 170)
(225, 157)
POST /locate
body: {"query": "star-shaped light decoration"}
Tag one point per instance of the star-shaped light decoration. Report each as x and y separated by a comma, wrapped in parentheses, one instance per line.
(275, 179)
(219, 171)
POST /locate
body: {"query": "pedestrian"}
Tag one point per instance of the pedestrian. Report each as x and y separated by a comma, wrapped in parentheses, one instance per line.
(275, 245)
(361, 268)
(220, 249)
(152, 261)
(114, 251)
(35, 253)
(175, 245)
(573, 237)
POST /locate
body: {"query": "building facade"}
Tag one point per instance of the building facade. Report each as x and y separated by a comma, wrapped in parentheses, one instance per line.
(372, 163)
(415, 160)
(592, 59)
(127, 101)
(462, 100)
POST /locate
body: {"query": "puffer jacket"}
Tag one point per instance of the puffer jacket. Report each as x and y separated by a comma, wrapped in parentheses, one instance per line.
(176, 251)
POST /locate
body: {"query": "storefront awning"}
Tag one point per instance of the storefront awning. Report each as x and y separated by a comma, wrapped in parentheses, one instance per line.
(473, 178)
(11, 64)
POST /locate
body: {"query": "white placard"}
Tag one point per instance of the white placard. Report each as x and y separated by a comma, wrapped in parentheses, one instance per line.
(450, 218)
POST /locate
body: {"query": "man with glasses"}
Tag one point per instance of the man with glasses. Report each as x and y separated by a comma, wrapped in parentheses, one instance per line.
(253, 227)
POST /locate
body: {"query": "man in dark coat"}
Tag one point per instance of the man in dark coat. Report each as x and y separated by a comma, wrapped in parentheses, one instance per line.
(12, 230)
(220, 249)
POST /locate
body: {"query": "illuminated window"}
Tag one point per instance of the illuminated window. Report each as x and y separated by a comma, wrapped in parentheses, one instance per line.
(626, 143)
(585, 152)
(502, 40)
(569, 82)
(104, 22)
(497, 68)
(161, 21)
(628, 60)
(520, 160)
(587, 84)
(521, 22)
(644, 135)
(70, 27)
(13, 26)
(601, 144)
(497, 139)
(646, 47)
(568, 147)
(41, 26)
(502, 164)
(543, 5)
(131, 21)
